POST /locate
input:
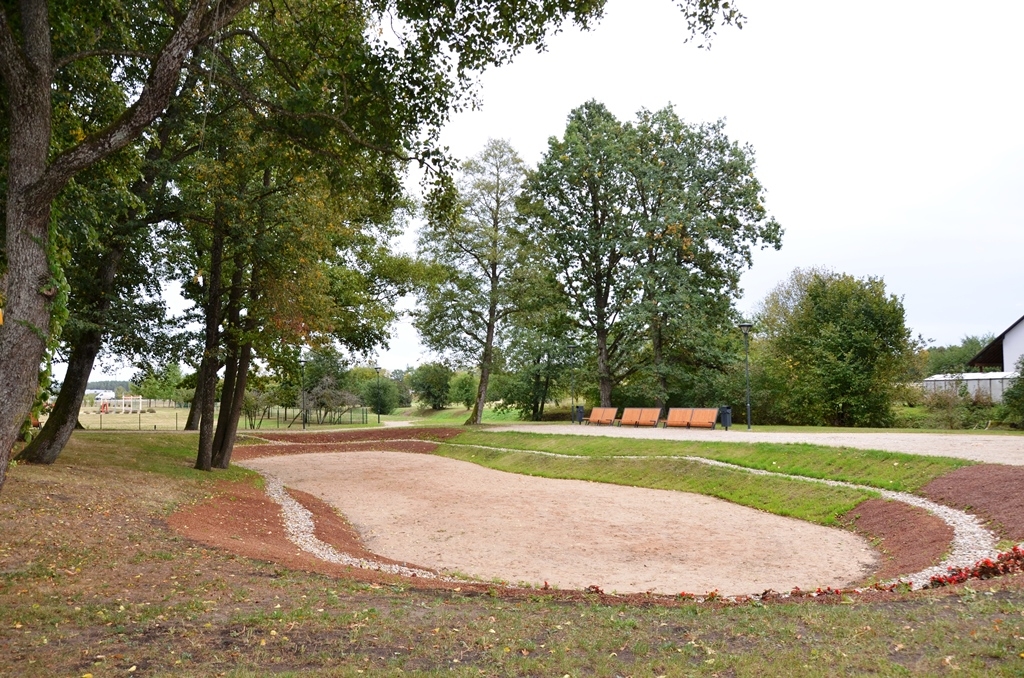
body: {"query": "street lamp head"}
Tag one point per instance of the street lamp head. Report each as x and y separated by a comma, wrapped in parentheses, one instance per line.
(376, 368)
(745, 327)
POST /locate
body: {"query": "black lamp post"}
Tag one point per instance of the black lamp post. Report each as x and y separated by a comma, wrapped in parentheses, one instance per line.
(377, 370)
(746, 360)
(572, 379)
(302, 365)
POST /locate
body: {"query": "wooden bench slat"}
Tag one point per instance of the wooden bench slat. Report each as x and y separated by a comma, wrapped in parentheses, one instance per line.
(679, 416)
(630, 416)
(649, 416)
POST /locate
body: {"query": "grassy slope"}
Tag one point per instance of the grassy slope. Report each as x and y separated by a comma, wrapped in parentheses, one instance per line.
(887, 470)
(92, 581)
(808, 501)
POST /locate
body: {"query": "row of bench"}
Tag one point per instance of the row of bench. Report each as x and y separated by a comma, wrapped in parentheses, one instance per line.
(685, 417)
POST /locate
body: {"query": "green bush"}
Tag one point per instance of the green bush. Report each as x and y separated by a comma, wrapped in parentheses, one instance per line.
(431, 382)
(1013, 398)
(463, 389)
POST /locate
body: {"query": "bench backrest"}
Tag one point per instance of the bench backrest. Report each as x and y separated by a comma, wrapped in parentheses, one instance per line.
(704, 418)
(648, 416)
(603, 415)
(679, 416)
(631, 416)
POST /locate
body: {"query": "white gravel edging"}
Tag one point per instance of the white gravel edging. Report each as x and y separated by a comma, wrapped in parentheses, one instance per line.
(299, 526)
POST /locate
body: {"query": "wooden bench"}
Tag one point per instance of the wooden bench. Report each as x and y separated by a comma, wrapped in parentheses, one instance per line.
(692, 417)
(704, 418)
(630, 416)
(649, 416)
(679, 417)
(603, 416)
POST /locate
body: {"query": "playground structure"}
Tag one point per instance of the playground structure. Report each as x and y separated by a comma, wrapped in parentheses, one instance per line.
(125, 405)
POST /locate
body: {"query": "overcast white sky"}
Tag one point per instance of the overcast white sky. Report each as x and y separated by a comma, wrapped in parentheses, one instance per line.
(889, 136)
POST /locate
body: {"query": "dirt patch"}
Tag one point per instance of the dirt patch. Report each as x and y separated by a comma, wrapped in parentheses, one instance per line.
(910, 538)
(993, 492)
(277, 449)
(450, 515)
(436, 434)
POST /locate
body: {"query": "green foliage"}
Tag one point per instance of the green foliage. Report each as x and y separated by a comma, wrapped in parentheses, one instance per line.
(382, 399)
(431, 383)
(958, 409)
(1013, 398)
(464, 389)
(647, 227)
(831, 350)
(953, 359)
(161, 384)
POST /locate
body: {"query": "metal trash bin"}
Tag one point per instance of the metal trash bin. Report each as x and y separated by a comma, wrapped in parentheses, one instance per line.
(577, 414)
(725, 416)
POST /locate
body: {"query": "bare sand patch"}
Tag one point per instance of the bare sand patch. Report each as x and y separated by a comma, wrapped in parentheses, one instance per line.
(454, 516)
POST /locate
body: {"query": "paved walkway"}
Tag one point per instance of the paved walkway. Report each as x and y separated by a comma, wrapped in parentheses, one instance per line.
(992, 449)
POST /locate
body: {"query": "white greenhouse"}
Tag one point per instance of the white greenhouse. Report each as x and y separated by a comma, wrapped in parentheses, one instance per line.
(991, 384)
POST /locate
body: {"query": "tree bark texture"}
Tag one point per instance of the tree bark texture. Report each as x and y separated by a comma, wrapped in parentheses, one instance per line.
(28, 290)
(46, 447)
(195, 410)
(231, 362)
(222, 458)
(208, 387)
(63, 420)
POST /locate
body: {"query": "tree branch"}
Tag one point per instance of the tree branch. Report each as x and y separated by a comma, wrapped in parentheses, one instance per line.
(65, 60)
(156, 94)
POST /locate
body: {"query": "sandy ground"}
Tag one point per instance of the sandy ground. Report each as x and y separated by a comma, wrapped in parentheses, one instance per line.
(991, 449)
(453, 516)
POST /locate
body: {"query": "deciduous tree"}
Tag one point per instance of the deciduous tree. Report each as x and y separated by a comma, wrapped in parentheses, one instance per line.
(833, 349)
(480, 255)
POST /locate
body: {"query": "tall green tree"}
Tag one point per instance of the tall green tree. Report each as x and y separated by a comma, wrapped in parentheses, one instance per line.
(577, 202)
(473, 240)
(648, 226)
(415, 72)
(701, 214)
(833, 349)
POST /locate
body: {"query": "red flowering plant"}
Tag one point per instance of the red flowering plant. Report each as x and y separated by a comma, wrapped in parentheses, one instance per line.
(1005, 563)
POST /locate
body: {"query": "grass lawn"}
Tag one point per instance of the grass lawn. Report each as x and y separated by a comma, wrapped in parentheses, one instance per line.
(92, 581)
(885, 470)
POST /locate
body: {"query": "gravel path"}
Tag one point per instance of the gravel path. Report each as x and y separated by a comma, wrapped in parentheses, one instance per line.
(991, 449)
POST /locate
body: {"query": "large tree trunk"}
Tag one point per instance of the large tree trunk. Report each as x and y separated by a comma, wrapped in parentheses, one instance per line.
(46, 447)
(222, 458)
(604, 377)
(208, 387)
(195, 410)
(657, 355)
(63, 420)
(26, 68)
(485, 362)
(231, 330)
(28, 288)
